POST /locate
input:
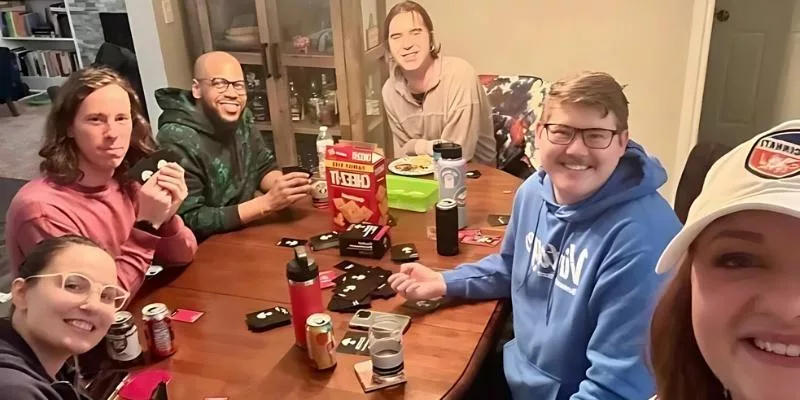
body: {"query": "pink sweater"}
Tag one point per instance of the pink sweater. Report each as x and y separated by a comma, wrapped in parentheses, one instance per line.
(106, 215)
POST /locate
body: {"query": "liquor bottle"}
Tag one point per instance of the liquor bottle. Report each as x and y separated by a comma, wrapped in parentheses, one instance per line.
(373, 102)
(314, 103)
(259, 107)
(295, 103)
(330, 109)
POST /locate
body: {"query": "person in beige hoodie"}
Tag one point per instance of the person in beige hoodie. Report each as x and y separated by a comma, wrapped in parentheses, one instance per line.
(431, 98)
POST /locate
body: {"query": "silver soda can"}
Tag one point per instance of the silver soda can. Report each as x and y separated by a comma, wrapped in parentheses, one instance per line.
(122, 339)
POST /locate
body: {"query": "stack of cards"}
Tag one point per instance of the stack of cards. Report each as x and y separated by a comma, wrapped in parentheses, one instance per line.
(267, 319)
(403, 253)
(356, 288)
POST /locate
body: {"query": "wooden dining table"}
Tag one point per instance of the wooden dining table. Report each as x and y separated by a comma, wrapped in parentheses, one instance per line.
(244, 271)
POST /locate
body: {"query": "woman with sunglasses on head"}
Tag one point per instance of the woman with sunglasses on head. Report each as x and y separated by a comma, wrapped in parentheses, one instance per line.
(64, 302)
(95, 132)
(728, 323)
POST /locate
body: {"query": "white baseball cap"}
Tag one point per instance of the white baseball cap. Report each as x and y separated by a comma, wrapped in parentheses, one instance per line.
(760, 174)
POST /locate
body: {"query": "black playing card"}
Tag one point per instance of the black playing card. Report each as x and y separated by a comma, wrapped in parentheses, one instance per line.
(325, 241)
(384, 291)
(498, 220)
(294, 168)
(267, 319)
(354, 342)
(349, 266)
(146, 167)
(474, 174)
(423, 305)
(290, 242)
(340, 304)
(406, 252)
(358, 286)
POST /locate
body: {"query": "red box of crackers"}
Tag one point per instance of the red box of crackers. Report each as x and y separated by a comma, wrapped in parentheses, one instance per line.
(356, 177)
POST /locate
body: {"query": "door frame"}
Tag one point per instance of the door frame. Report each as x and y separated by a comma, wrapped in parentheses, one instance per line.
(702, 23)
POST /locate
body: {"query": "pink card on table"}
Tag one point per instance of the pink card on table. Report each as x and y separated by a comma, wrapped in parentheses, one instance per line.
(142, 385)
(184, 315)
(326, 279)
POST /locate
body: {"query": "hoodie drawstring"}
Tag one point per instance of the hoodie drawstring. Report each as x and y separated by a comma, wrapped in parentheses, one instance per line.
(555, 275)
(530, 257)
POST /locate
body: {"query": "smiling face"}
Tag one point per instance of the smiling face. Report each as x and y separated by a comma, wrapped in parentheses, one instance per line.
(576, 170)
(55, 320)
(222, 103)
(102, 129)
(410, 41)
(746, 303)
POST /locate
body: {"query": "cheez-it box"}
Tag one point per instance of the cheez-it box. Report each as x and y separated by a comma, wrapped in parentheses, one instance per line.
(356, 177)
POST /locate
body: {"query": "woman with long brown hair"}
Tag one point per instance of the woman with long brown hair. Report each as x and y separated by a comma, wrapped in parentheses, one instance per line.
(94, 133)
(728, 323)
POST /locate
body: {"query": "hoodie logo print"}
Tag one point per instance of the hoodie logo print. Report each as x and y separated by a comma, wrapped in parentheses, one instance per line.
(565, 266)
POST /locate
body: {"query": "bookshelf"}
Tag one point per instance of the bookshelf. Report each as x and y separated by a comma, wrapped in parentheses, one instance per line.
(40, 33)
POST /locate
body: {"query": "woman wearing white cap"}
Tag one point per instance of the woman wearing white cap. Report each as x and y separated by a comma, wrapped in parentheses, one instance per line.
(728, 324)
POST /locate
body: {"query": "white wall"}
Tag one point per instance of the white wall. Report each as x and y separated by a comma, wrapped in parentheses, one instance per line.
(788, 103)
(148, 53)
(643, 43)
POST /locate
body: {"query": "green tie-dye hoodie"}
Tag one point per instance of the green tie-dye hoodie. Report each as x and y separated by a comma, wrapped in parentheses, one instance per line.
(222, 170)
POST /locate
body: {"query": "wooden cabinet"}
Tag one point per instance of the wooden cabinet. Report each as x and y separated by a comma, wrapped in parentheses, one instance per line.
(307, 63)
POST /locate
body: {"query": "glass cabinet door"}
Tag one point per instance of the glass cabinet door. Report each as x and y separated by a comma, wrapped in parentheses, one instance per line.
(374, 73)
(239, 27)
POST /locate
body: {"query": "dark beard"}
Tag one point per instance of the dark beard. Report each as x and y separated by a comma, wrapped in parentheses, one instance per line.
(222, 127)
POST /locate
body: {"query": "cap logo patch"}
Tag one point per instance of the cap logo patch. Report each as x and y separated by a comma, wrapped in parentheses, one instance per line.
(775, 155)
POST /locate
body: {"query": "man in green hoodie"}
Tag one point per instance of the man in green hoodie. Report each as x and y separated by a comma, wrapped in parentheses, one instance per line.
(226, 162)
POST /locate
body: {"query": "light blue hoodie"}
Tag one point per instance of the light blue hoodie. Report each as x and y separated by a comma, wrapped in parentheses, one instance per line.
(583, 297)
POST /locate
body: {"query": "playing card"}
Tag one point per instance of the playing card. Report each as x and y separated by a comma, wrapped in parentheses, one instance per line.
(468, 232)
(289, 242)
(146, 167)
(340, 304)
(267, 319)
(153, 270)
(326, 279)
(406, 252)
(481, 240)
(325, 241)
(498, 220)
(384, 291)
(474, 174)
(423, 305)
(184, 315)
(349, 266)
(354, 342)
(294, 168)
(358, 286)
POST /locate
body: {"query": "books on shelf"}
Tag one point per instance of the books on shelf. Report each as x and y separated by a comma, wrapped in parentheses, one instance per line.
(45, 63)
(16, 21)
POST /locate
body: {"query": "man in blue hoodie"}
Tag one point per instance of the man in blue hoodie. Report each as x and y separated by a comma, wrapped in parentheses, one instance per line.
(578, 255)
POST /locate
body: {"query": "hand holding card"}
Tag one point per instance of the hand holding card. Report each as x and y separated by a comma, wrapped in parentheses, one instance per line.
(146, 167)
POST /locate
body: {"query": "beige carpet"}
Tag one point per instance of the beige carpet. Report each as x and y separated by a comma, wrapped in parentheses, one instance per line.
(20, 138)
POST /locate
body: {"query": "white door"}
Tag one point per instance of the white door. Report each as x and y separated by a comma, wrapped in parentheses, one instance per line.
(748, 46)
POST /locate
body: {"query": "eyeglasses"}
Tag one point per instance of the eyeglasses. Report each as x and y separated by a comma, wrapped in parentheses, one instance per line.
(80, 287)
(593, 138)
(222, 84)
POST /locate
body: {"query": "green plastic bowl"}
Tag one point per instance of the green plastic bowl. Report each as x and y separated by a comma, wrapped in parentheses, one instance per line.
(412, 194)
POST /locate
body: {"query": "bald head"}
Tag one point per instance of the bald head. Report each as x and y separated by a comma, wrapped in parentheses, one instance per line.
(219, 87)
(216, 64)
